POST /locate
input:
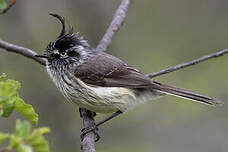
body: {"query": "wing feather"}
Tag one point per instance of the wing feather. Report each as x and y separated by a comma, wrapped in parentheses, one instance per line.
(108, 71)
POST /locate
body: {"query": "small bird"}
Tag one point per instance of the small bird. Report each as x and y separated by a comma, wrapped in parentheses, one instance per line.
(99, 81)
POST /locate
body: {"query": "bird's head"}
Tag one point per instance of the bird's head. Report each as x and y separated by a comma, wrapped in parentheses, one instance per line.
(68, 47)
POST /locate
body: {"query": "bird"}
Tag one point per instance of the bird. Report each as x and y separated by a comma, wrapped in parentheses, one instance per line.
(101, 82)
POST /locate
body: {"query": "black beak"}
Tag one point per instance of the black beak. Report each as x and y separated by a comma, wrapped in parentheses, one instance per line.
(41, 55)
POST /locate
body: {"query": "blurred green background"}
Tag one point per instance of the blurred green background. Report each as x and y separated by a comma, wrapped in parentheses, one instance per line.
(156, 34)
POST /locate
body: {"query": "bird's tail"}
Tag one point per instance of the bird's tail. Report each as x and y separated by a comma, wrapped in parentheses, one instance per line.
(186, 94)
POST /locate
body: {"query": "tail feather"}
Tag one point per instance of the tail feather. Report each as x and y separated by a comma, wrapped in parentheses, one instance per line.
(186, 94)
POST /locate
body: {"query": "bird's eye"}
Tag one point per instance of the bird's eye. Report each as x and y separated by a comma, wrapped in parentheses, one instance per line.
(63, 53)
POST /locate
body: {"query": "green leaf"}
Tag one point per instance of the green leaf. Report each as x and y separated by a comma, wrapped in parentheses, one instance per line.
(33, 138)
(37, 140)
(41, 145)
(24, 148)
(3, 137)
(3, 4)
(43, 130)
(8, 106)
(22, 129)
(1, 106)
(14, 141)
(26, 110)
(17, 139)
(2, 99)
(1, 111)
(8, 90)
(22, 140)
(9, 100)
(3, 76)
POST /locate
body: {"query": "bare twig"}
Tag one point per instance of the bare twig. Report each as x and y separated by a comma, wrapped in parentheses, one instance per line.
(117, 21)
(12, 2)
(187, 64)
(21, 50)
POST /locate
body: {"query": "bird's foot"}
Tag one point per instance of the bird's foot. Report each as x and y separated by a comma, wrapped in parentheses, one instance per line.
(92, 128)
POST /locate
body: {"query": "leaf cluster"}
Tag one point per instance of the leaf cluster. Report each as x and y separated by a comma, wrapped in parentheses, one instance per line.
(10, 100)
(23, 139)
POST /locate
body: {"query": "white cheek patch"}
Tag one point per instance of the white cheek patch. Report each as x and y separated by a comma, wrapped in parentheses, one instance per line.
(56, 52)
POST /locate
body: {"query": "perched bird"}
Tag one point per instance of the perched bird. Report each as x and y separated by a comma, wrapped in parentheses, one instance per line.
(101, 82)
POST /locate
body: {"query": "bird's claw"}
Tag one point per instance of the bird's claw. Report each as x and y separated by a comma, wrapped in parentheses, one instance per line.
(93, 128)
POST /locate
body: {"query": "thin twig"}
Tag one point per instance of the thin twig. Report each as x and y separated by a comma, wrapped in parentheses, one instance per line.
(21, 50)
(117, 21)
(12, 2)
(187, 64)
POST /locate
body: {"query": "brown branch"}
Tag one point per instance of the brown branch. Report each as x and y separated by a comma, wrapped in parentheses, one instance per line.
(187, 64)
(117, 21)
(21, 50)
(12, 2)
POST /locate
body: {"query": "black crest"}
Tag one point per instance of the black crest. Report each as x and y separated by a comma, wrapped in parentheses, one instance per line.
(67, 40)
(61, 19)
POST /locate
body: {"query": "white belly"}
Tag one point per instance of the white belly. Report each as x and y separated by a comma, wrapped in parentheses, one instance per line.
(100, 99)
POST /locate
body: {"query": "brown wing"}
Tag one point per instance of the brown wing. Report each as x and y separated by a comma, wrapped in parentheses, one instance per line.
(109, 71)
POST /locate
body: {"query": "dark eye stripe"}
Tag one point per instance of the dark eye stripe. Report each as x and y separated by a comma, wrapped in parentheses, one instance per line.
(73, 54)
